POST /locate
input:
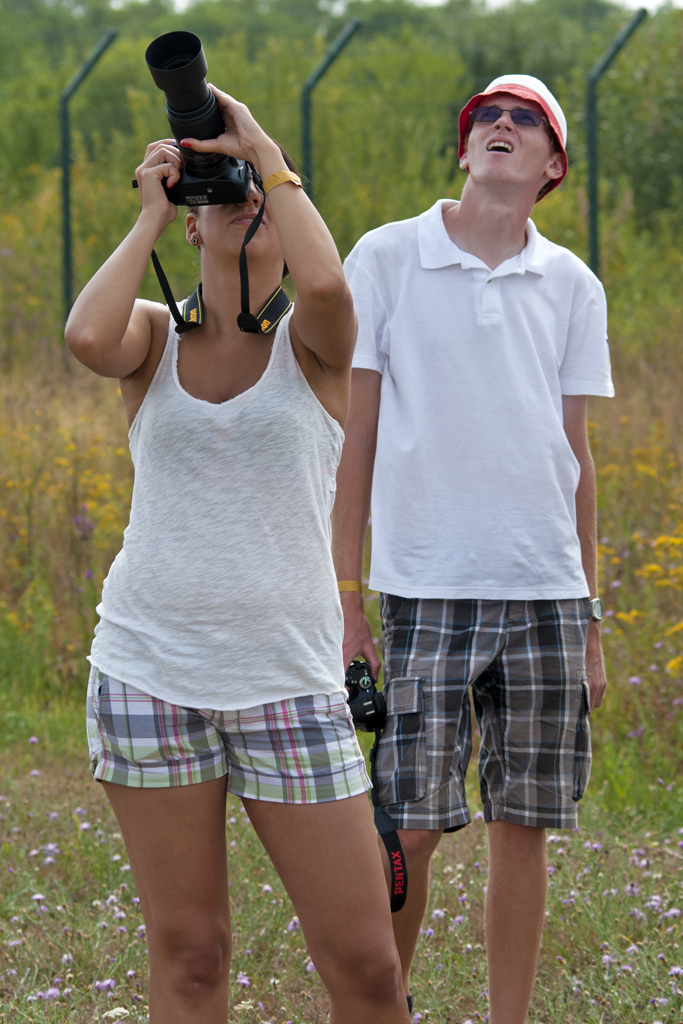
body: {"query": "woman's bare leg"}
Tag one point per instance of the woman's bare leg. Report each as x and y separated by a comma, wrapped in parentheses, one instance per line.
(176, 844)
(327, 857)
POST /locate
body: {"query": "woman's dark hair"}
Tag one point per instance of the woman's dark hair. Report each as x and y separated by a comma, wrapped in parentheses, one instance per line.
(292, 167)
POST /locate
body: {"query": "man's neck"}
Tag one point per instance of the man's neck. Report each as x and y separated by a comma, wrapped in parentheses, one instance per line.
(490, 227)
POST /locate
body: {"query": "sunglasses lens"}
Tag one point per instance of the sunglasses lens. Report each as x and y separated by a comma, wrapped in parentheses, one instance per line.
(486, 114)
(530, 117)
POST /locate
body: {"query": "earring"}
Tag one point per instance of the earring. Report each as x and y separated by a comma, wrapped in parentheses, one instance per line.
(194, 240)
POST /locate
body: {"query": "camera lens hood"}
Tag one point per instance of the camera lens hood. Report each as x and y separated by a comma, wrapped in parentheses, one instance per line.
(178, 66)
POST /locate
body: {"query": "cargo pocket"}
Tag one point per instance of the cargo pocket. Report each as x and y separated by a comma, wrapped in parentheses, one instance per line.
(582, 745)
(402, 756)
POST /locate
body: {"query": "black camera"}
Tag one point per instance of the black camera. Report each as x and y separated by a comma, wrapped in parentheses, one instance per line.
(178, 66)
(368, 707)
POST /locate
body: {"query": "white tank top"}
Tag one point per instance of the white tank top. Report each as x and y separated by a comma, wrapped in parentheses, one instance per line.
(224, 594)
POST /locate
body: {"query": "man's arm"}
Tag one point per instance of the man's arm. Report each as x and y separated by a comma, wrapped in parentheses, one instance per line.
(574, 409)
(352, 509)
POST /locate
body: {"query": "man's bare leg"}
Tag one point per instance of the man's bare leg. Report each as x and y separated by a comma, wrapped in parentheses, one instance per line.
(515, 910)
(418, 847)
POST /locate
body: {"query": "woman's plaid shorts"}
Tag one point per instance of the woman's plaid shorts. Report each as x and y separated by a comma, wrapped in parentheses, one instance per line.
(523, 662)
(298, 751)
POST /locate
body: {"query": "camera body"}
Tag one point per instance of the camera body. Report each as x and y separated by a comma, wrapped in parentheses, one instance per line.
(367, 704)
(178, 66)
(231, 185)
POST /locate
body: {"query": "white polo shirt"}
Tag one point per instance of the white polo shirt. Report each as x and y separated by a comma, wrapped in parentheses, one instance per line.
(474, 483)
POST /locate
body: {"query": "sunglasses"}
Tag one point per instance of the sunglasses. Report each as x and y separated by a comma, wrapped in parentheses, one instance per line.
(520, 115)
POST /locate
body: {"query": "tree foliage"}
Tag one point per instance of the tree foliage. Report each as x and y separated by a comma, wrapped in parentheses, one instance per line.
(385, 117)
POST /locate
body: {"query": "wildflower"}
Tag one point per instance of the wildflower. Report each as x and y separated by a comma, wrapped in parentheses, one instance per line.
(37, 896)
(33, 739)
(478, 816)
(674, 912)
(80, 811)
(437, 914)
(85, 826)
(607, 960)
(34, 772)
(52, 993)
(108, 983)
(267, 888)
(635, 733)
(635, 680)
(632, 949)
(310, 967)
(429, 933)
(242, 979)
(293, 924)
(675, 972)
(130, 974)
(67, 958)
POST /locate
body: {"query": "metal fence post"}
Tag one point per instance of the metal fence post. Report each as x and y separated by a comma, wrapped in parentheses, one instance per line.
(338, 45)
(65, 132)
(592, 135)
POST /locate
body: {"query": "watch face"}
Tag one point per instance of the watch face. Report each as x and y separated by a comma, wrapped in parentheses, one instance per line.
(597, 609)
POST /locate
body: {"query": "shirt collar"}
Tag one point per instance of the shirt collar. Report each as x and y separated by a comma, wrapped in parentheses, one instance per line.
(437, 250)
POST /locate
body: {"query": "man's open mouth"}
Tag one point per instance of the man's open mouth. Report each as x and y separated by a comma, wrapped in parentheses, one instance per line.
(499, 146)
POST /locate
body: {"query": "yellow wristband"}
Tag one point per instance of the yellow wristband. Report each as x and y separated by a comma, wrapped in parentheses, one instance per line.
(354, 585)
(279, 178)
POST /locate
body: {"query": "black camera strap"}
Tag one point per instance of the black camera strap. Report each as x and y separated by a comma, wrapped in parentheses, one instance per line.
(392, 844)
(263, 322)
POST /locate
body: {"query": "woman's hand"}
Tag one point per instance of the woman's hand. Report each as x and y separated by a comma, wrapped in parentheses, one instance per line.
(243, 137)
(162, 161)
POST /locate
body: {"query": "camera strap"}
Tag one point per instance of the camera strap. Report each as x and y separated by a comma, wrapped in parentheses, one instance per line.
(387, 831)
(263, 322)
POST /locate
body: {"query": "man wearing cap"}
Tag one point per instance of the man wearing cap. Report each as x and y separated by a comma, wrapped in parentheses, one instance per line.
(478, 343)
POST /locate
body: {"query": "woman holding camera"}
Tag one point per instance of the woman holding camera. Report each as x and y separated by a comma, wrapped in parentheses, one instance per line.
(217, 664)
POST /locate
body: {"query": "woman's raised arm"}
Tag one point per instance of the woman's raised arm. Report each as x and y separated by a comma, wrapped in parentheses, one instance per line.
(109, 329)
(324, 317)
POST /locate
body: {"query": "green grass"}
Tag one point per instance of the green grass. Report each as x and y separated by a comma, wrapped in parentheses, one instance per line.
(614, 892)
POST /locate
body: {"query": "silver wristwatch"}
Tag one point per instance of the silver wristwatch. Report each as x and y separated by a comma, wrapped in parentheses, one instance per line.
(596, 605)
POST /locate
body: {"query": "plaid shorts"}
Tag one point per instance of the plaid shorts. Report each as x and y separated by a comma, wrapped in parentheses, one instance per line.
(298, 751)
(524, 664)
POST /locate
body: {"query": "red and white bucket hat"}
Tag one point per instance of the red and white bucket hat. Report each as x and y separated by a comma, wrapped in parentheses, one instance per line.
(527, 88)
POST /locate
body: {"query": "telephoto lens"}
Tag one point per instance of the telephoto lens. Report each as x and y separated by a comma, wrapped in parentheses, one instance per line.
(178, 66)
